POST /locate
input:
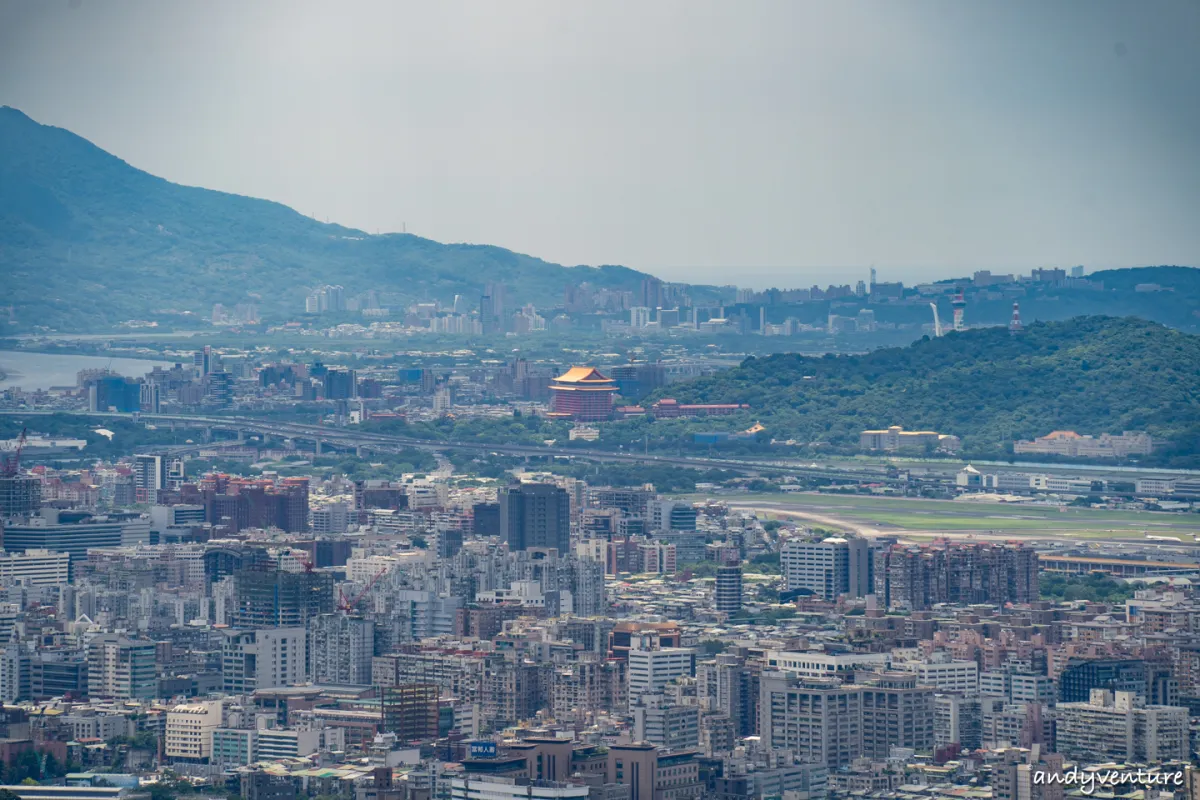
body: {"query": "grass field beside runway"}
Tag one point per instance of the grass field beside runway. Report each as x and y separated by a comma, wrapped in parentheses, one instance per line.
(957, 517)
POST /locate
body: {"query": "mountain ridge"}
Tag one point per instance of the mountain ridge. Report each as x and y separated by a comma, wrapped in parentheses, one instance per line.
(88, 240)
(74, 215)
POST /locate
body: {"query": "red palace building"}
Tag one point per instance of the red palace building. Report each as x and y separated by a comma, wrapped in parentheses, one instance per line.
(583, 394)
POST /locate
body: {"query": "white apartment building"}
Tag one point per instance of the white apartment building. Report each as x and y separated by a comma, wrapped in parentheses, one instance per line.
(830, 568)
(273, 744)
(190, 729)
(827, 665)
(651, 670)
(499, 788)
(262, 659)
(1117, 727)
(340, 649)
(961, 677)
(35, 568)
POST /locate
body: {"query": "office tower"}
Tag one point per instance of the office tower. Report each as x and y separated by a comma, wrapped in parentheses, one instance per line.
(149, 475)
(340, 384)
(333, 518)
(729, 686)
(666, 724)
(535, 515)
(121, 668)
(651, 669)
(820, 719)
(114, 393)
(728, 594)
(340, 649)
(288, 505)
(449, 542)
(410, 711)
(652, 293)
(150, 398)
(262, 659)
(1119, 727)
(829, 568)
(218, 389)
(274, 598)
(957, 720)
(485, 519)
(19, 496)
(74, 532)
(896, 712)
(202, 361)
(1077, 681)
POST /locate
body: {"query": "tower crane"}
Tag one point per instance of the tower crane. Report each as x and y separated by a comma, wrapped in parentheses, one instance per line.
(349, 603)
(12, 468)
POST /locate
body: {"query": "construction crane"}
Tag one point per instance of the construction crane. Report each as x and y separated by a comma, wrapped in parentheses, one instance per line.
(13, 466)
(349, 604)
(937, 324)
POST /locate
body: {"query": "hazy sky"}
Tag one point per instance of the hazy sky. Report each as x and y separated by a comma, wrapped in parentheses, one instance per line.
(756, 142)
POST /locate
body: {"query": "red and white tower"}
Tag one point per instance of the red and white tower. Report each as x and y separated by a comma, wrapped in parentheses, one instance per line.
(960, 305)
(1014, 325)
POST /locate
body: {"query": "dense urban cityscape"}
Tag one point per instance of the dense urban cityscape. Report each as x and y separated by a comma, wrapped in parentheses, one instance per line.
(599, 401)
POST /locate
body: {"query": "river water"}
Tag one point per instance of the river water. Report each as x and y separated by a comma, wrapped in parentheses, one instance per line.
(40, 371)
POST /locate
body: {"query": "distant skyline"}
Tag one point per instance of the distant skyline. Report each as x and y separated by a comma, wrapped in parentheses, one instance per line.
(759, 143)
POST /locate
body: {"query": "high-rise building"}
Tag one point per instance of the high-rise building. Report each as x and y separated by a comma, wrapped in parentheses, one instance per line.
(121, 668)
(897, 712)
(218, 389)
(262, 659)
(957, 720)
(1080, 677)
(189, 730)
(651, 669)
(275, 598)
(340, 384)
(149, 476)
(819, 719)
(114, 393)
(675, 727)
(340, 649)
(202, 361)
(919, 577)
(830, 568)
(1119, 727)
(535, 515)
(19, 496)
(728, 594)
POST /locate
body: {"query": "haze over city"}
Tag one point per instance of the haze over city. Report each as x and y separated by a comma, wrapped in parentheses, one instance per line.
(599, 401)
(778, 143)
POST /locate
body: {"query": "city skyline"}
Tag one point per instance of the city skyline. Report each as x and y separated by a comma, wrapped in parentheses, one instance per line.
(778, 143)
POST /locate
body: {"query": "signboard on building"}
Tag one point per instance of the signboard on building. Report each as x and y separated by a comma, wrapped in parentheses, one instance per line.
(483, 749)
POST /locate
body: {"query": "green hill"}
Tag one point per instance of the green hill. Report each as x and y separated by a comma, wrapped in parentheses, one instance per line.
(87, 240)
(1091, 374)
